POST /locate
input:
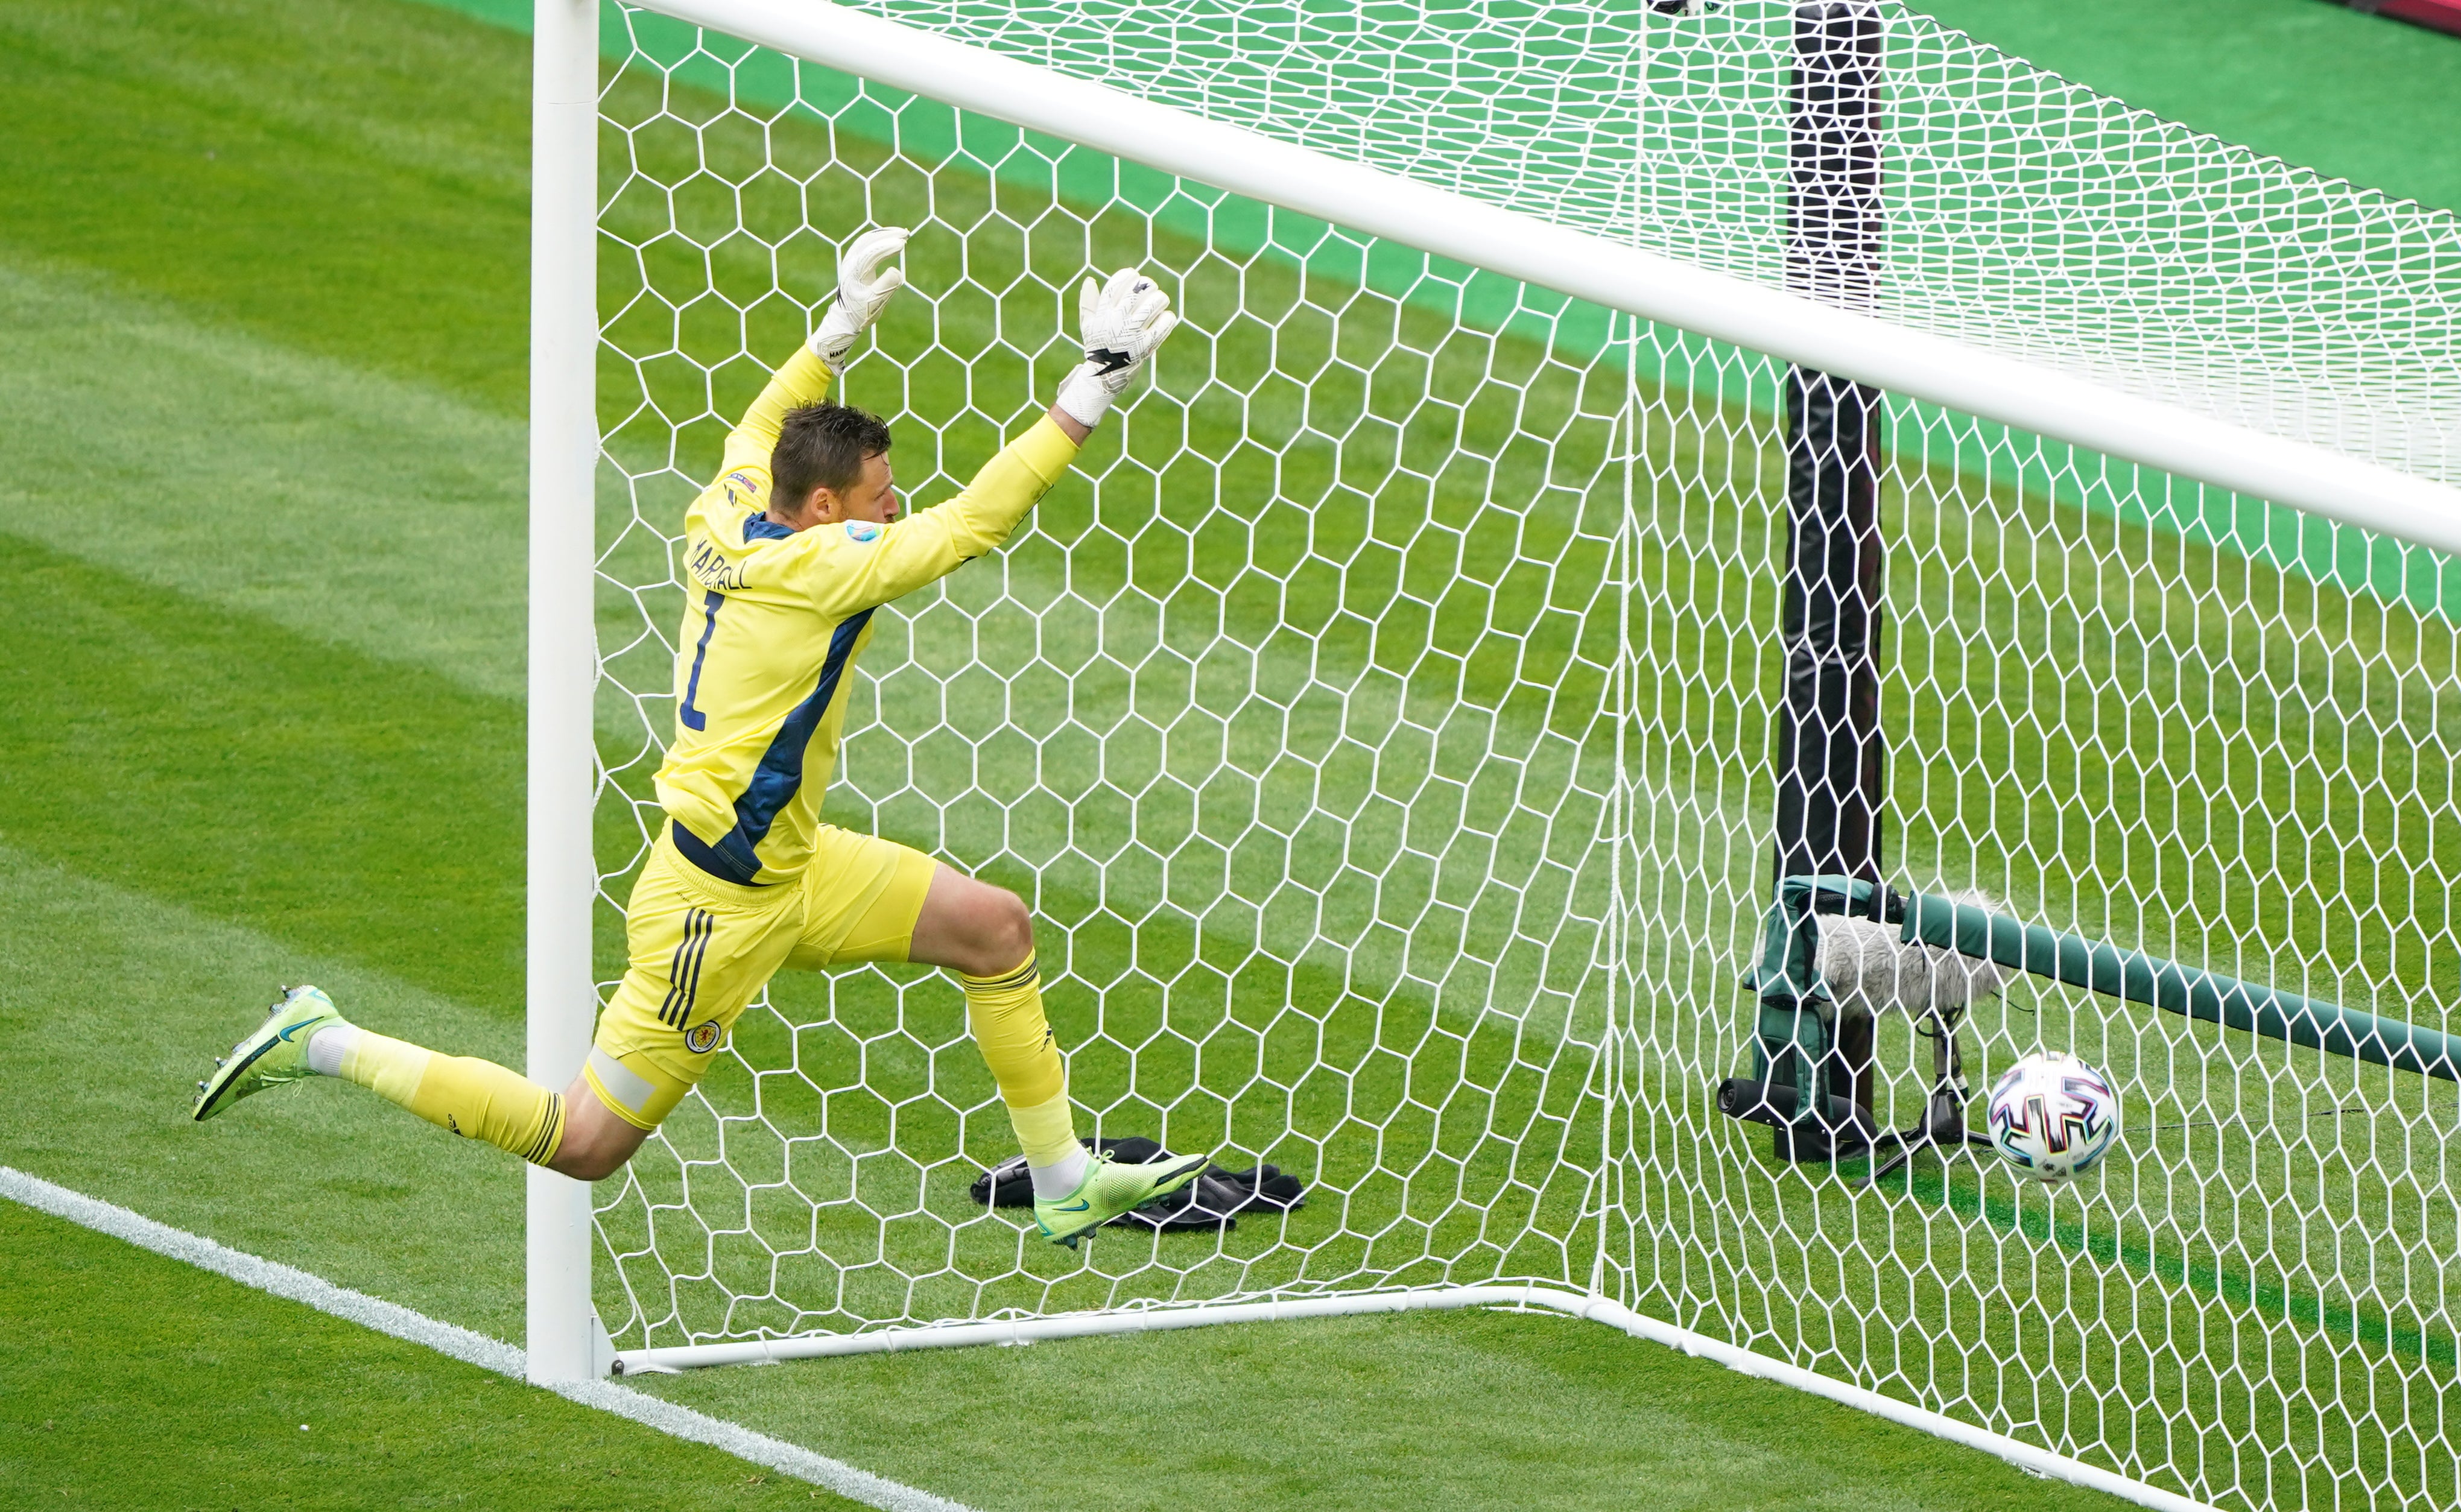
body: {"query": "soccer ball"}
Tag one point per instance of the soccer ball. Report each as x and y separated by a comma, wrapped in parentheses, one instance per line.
(2053, 1116)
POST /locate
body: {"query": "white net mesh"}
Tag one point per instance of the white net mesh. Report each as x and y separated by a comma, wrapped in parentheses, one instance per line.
(2027, 213)
(1379, 721)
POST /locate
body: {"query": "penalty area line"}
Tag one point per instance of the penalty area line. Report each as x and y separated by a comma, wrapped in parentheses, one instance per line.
(392, 1319)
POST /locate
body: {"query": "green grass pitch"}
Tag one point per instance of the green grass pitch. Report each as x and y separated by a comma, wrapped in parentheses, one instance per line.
(133, 1381)
(263, 481)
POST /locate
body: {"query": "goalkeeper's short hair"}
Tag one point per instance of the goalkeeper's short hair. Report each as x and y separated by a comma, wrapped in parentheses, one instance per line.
(823, 445)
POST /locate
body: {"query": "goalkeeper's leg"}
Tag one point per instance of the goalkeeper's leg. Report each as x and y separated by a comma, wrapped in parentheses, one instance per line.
(304, 1035)
(985, 933)
(700, 948)
(572, 1131)
(888, 903)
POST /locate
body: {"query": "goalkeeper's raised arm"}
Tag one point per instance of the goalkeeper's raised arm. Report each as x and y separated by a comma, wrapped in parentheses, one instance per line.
(821, 473)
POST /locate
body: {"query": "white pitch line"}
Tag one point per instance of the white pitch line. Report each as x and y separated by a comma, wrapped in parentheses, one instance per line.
(473, 1349)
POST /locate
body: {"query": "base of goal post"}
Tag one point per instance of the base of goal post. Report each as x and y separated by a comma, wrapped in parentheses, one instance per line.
(1133, 1320)
(2030, 1457)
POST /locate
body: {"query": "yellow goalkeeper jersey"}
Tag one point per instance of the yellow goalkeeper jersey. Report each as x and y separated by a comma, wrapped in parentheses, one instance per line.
(773, 620)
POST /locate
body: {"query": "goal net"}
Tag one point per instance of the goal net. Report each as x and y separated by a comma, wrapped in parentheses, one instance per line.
(1380, 721)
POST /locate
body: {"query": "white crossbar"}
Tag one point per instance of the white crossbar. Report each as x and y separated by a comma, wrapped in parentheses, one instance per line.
(1860, 347)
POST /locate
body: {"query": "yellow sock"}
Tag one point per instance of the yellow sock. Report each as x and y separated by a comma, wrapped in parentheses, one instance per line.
(1005, 1012)
(1047, 1132)
(474, 1098)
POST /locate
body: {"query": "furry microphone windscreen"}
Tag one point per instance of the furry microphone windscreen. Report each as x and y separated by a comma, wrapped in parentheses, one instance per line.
(1869, 971)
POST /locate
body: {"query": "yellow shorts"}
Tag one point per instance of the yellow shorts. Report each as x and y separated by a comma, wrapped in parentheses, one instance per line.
(700, 947)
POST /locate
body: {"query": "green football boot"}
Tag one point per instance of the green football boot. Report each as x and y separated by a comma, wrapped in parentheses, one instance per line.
(1108, 1190)
(274, 1056)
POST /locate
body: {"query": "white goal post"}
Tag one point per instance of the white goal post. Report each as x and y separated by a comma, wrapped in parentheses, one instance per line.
(1380, 727)
(562, 760)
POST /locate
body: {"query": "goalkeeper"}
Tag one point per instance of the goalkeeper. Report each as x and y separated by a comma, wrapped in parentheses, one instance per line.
(788, 555)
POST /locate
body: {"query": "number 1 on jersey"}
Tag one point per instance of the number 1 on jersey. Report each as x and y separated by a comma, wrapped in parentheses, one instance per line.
(691, 717)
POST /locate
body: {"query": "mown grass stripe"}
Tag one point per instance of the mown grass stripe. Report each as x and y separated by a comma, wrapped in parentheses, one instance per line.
(219, 759)
(2306, 1308)
(380, 511)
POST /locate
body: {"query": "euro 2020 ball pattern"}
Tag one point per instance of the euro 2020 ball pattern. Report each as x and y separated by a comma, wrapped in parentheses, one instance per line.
(2053, 1115)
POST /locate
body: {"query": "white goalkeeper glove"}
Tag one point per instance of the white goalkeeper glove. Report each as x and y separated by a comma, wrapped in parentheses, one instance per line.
(864, 287)
(1122, 322)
